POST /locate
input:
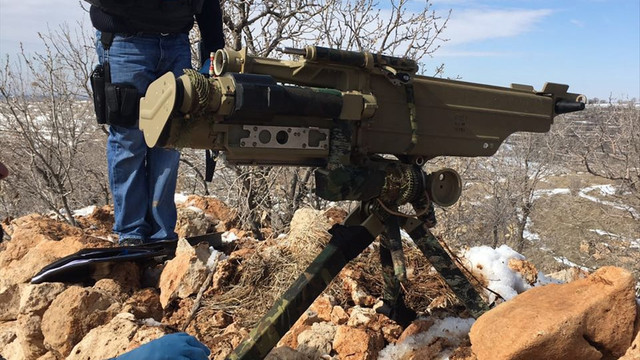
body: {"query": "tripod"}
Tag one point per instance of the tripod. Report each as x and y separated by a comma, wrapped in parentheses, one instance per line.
(359, 230)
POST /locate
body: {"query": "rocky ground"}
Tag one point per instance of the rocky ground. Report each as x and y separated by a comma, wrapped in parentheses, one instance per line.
(218, 296)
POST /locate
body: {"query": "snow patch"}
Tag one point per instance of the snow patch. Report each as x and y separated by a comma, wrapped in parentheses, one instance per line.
(180, 198)
(494, 266)
(452, 328)
(563, 260)
(549, 192)
(86, 211)
(212, 261)
(607, 190)
(229, 237)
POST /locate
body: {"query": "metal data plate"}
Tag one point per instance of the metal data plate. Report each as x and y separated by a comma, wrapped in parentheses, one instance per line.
(284, 137)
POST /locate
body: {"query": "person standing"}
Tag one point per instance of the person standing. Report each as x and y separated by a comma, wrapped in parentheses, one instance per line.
(137, 42)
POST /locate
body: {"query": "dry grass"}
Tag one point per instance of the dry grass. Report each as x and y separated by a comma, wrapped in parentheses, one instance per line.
(273, 267)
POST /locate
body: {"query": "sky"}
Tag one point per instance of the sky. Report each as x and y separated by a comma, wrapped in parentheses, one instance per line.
(591, 45)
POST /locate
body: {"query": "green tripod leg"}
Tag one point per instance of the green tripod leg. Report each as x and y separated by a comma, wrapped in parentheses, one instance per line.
(452, 275)
(346, 243)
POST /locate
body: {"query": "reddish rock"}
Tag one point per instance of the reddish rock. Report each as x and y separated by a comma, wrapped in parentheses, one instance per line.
(37, 297)
(389, 329)
(587, 319)
(183, 275)
(633, 352)
(323, 307)
(191, 222)
(222, 345)
(357, 344)
(10, 302)
(144, 304)
(416, 327)
(361, 316)
(106, 341)
(31, 230)
(7, 333)
(351, 285)
(428, 351)
(290, 339)
(21, 270)
(526, 269)
(228, 270)
(317, 341)
(30, 336)
(73, 314)
(286, 353)
(339, 316)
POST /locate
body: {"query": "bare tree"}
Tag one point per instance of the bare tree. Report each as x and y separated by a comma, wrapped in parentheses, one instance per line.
(610, 147)
(268, 196)
(48, 128)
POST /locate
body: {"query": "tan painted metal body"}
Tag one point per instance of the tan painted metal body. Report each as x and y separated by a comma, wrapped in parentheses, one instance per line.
(445, 117)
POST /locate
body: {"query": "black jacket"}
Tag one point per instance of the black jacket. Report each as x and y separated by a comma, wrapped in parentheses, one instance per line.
(209, 21)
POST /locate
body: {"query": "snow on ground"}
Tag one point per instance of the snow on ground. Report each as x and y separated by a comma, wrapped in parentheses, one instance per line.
(229, 237)
(607, 190)
(563, 260)
(180, 198)
(633, 243)
(494, 266)
(548, 192)
(527, 233)
(453, 329)
(86, 211)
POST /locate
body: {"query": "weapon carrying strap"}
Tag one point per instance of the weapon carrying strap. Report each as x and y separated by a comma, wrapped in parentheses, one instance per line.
(106, 38)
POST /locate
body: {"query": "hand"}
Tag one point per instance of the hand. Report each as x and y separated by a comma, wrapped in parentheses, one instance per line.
(179, 346)
(205, 67)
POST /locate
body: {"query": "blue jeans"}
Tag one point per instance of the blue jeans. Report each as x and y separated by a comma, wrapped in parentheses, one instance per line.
(143, 179)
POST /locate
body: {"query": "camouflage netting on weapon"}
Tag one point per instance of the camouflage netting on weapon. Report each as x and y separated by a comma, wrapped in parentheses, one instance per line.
(202, 88)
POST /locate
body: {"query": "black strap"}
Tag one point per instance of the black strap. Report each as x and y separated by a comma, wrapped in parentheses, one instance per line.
(210, 164)
(106, 38)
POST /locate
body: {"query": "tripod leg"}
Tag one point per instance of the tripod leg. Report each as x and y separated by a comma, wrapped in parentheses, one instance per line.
(346, 243)
(392, 296)
(452, 275)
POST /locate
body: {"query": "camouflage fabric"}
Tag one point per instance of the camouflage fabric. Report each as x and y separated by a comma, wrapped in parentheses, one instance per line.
(452, 275)
(392, 289)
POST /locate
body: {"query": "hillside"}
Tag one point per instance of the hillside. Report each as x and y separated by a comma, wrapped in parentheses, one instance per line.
(127, 304)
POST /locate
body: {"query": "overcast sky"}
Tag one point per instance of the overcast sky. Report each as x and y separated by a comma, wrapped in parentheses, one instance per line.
(592, 45)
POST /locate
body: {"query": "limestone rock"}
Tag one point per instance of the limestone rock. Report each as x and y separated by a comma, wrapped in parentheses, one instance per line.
(586, 319)
(73, 314)
(37, 297)
(144, 304)
(357, 344)
(317, 341)
(633, 352)
(30, 336)
(8, 336)
(361, 316)
(286, 353)
(416, 327)
(568, 275)
(21, 270)
(323, 306)
(222, 345)
(182, 275)
(290, 339)
(526, 269)
(106, 341)
(350, 283)
(339, 316)
(10, 302)
(192, 221)
(12, 350)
